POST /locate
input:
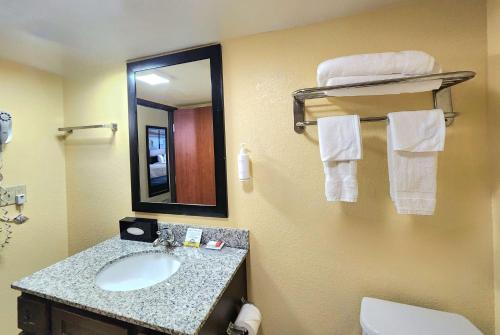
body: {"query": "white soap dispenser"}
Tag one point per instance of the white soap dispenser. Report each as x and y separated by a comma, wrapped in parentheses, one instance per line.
(243, 164)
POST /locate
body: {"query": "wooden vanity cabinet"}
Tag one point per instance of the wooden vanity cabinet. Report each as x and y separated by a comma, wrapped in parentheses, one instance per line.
(39, 316)
(69, 323)
(33, 315)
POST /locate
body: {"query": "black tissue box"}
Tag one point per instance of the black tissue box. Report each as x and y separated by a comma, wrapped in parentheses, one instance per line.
(138, 229)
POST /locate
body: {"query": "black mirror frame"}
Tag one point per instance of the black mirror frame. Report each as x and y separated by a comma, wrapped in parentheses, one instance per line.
(212, 52)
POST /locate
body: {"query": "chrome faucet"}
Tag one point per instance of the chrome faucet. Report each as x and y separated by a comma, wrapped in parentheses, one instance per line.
(165, 237)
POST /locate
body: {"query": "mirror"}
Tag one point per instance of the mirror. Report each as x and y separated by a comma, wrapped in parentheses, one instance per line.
(177, 154)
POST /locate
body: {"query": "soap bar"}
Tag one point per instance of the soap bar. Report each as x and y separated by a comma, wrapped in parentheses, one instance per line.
(193, 237)
(215, 245)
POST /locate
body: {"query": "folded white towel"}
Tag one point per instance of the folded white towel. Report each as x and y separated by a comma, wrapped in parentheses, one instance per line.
(418, 131)
(340, 147)
(403, 62)
(413, 141)
(394, 88)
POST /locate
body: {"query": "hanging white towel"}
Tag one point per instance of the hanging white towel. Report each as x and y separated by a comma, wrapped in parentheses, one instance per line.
(413, 142)
(394, 88)
(418, 131)
(340, 147)
(385, 63)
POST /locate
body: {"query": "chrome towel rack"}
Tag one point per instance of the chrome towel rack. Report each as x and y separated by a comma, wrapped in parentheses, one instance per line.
(441, 97)
(69, 130)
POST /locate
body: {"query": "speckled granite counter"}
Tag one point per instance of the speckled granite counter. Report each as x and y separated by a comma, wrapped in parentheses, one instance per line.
(179, 305)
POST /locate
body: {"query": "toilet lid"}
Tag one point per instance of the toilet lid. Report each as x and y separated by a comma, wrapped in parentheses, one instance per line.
(381, 317)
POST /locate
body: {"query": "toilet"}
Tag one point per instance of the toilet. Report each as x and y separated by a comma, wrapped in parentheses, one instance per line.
(381, 317)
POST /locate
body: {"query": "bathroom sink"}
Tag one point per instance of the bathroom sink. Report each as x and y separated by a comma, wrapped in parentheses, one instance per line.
(137, 271)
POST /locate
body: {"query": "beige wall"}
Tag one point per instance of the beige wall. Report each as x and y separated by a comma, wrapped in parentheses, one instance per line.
(311, 261)
(97, 161)
(494, 126)
(35, 157)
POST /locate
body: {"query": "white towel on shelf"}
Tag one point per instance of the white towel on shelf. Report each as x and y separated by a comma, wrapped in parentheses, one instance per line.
(385, 63)
(340, 147)
(413, 142)
(394, 88)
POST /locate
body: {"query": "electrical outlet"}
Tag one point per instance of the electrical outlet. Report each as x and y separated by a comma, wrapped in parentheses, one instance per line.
(9, 198)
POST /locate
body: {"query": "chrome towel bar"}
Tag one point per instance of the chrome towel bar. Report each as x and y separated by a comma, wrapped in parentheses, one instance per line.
(448, 116)
(69, 130)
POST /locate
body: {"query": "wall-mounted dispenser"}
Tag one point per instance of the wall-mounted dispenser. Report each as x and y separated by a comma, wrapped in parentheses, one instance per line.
(243, 164)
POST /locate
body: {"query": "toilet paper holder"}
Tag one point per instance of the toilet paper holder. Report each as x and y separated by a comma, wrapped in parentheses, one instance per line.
(233, 329)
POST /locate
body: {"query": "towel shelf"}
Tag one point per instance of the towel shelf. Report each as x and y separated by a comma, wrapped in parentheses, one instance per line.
(441, 97)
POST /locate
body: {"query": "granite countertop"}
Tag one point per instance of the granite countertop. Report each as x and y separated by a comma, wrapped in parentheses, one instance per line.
(179, 305)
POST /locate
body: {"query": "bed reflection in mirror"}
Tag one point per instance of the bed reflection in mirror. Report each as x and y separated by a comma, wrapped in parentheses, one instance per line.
(157, 165)
(175, 134)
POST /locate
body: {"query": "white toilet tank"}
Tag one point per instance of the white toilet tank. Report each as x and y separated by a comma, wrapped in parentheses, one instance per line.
(381, 317)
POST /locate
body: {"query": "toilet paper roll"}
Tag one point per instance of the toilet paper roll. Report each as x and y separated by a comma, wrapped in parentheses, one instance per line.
(249, 318)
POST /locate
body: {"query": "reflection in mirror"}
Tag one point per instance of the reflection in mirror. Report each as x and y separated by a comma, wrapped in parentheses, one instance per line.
(157, 164)
(175, 134)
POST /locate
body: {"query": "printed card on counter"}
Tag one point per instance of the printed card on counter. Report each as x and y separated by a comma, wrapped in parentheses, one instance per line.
(193, 237)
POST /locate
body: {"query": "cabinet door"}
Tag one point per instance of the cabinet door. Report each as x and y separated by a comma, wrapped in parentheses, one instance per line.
(32, 315)
(67, 323)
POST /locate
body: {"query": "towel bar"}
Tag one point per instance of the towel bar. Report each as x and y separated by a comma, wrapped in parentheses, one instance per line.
(441, 97)
(69, 130)
(448, 116)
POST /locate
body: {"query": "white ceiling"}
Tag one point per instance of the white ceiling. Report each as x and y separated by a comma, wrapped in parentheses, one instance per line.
(189, 84)
(54, 34)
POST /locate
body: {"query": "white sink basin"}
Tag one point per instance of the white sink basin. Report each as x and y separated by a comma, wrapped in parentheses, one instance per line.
(137, 271)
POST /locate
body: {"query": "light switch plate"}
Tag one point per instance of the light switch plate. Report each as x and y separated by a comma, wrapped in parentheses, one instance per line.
(10, 197)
